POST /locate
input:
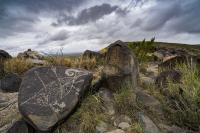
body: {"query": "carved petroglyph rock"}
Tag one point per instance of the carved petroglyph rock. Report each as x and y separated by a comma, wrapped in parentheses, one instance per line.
(49, 94)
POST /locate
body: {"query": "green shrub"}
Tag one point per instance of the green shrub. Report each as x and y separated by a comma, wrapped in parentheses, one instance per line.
(143, 50)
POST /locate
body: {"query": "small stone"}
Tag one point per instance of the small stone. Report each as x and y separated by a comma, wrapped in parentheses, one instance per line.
(122, 118)
(116, 131)
(101, 127)
(123, 125)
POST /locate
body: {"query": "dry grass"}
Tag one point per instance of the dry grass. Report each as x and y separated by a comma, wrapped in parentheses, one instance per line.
(184, 107)
(16, 65)
(79, 62)
(87, 115)
(125, 100)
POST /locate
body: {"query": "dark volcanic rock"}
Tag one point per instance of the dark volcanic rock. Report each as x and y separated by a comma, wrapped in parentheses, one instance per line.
(49, 94)
(4, 55)
(10, 83)
(162, 79)
(20, 127)
(121, 65)
(171, 61)
(91, 54)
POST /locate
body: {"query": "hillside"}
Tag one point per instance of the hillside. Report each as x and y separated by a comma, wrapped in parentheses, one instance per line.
(137, 87)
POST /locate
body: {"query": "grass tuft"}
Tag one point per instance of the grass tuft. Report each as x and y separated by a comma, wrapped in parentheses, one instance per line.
(16, 65)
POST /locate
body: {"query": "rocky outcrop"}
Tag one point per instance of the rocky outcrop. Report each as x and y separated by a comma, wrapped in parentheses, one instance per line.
(4, 55)
(121, 65)
(49, 94)
(165, 76)
(10, 83)
(91, 54)
(30, 54)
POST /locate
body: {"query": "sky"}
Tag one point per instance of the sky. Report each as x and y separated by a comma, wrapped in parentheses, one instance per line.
(71, 26)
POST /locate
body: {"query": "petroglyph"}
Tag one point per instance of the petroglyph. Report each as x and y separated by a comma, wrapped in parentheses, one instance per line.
(59, 88)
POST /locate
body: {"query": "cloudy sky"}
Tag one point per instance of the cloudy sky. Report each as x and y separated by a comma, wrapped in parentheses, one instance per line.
(77, 25)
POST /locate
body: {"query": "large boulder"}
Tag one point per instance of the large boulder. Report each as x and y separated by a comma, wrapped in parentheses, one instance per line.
(49, 94)
(121, 65)
(29, 54)
(10, 83)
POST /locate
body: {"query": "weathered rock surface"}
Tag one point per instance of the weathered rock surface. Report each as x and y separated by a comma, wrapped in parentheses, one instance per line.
(30, 54)
(147, 124)
(8, 110)
(20, 127)
(121, 65)
(163, 77)
(149, 102)
(10, 83)
(49, 94)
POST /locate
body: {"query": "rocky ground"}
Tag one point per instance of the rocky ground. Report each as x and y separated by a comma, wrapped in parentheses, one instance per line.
(118, 95)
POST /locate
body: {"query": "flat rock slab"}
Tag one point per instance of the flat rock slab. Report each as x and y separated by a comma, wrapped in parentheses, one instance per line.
(49, 94)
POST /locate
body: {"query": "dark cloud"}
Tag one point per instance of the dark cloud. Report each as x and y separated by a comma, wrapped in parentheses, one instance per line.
(87, 15)
(18, 16)
(43, 5)
(189, 20)
(157, 16)
(59, 36)
(177, 16)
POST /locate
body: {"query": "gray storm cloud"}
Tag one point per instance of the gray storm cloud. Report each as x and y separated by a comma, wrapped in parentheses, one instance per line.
(81, 24)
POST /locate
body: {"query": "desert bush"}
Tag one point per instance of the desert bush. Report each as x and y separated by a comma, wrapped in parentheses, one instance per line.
(183, 107)
(17, 65)
(143, 49)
